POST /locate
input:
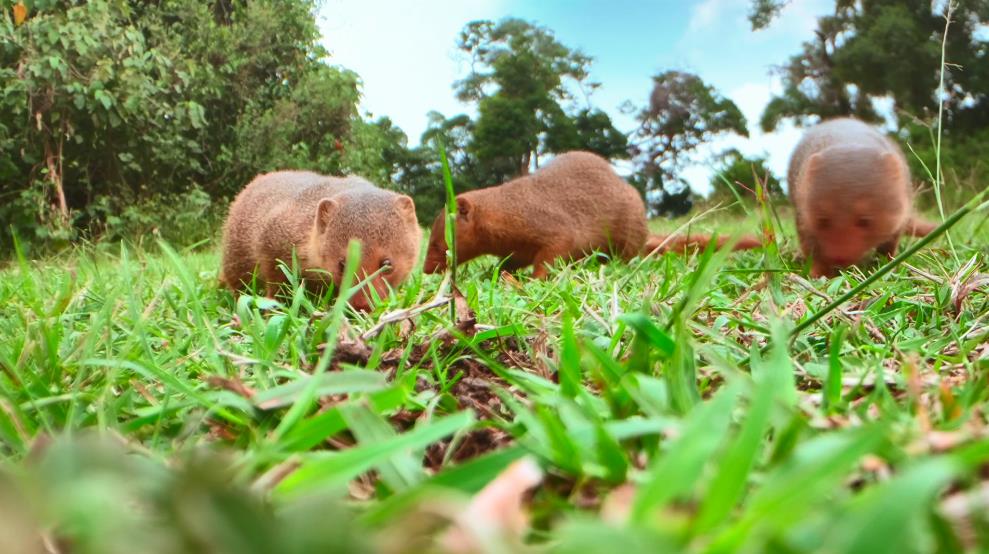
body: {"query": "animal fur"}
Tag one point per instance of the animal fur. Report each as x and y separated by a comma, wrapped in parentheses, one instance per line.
(573, 206)
(851, 191)
(316, 216)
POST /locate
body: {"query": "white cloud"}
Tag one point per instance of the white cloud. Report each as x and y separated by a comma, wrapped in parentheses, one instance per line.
(405, 53)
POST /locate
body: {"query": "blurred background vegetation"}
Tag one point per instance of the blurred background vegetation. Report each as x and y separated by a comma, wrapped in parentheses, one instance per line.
(123, 119)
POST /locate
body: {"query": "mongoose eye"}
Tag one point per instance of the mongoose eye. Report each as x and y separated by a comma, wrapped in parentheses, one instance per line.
(387, 266)
(863, 223)
(823, 223)
(342, 264)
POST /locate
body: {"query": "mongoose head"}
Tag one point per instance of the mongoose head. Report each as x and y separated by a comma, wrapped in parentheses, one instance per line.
(384, 222)
(467, 226)
(853, 199)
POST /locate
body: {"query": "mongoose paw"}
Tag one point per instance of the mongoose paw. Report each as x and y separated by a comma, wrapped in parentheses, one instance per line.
(819, 269)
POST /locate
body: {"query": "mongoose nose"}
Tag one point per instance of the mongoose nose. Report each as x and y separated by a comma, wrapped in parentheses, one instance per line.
(360, 302)
(432, 266)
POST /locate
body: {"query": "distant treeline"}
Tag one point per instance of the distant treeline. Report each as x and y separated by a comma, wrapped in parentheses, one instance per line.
(126, 119)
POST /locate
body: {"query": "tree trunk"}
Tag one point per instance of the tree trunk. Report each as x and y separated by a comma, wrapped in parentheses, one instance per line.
(54, 162)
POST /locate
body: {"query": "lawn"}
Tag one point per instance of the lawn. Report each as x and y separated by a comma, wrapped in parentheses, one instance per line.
(671, 404)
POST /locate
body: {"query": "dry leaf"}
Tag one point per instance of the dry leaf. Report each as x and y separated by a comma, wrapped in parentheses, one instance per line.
(618, 504)
(496, 513)
(354, 352)
(962, 290)
(796, 310)
(233, 385)
(20, 13)
(464, 313)
(511, 280)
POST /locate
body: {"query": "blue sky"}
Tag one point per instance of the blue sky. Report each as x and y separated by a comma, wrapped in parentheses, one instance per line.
(404, 50)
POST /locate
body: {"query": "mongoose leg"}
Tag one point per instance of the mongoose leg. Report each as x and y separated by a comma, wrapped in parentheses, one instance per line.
(544, 258)
(539, 270)
(514, 263)
(272, 278)
(820, 269)
(540, 265)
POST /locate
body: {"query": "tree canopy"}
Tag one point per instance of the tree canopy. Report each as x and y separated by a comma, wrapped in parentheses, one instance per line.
(871, 49)
(683, 113)
(106, 104)
(868, 53)
(524, 83)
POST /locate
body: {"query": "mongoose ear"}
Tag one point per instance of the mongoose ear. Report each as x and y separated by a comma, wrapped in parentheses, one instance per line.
(406, 206)
(891, 165)
(813, 164)
(464, 208)
(324, 213)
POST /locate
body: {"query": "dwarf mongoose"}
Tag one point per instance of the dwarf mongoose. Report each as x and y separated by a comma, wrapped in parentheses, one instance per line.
(851, 192)
(573, 206)
(316, 216)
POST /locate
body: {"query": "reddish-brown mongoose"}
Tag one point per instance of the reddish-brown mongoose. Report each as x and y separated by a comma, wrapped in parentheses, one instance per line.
(316, 216)
(851, 192)
(573, 206)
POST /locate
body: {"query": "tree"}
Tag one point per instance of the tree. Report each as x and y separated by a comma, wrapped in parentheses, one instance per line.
(891, 49)
(110, 107)
(675, 201)
(522, 78)
(682, 114)
(307, 129)
(590, 130)
(884, 48)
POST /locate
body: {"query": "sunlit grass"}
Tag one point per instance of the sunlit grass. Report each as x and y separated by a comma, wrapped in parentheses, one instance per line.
(676, 382)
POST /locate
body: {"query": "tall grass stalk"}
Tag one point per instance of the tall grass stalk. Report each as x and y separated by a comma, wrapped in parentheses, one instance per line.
(938, 178)
(450, 228)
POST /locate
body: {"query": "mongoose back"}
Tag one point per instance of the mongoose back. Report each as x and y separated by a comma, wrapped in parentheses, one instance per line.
(573, 206)
(316, 216)
(851, 193)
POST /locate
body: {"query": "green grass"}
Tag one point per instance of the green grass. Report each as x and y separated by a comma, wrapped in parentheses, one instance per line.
(677, 376)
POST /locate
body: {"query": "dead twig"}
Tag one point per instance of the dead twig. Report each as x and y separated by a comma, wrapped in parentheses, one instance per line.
(441, 299)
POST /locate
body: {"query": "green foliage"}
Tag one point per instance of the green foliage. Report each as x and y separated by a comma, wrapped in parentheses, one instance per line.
(877, 48)
(306, 129)
(694, 423)
(762, 12)
(589, 130)
(105, 498)
(521, 79)
(109, 105)
(964, 155)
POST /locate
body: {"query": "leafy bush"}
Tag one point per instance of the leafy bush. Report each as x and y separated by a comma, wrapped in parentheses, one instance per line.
(111, 105)
(736, 179)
